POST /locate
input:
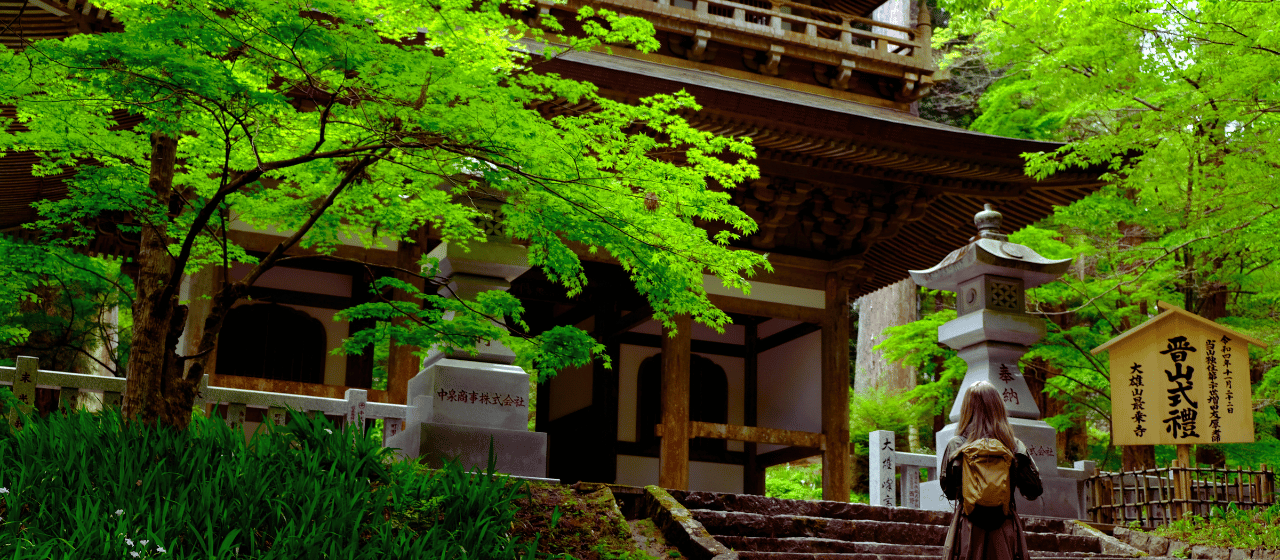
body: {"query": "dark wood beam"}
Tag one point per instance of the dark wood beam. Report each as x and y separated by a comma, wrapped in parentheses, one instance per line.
(785, 455)
(290, 297)
(673, 461)
(631, 321)
(835, 390)
(699, 346)
(752, 472)
(787, 335)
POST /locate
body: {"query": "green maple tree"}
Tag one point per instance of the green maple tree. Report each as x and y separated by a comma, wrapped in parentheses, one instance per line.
(355, 118)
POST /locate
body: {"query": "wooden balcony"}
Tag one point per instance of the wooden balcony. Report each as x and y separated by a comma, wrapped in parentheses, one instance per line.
(840, 44)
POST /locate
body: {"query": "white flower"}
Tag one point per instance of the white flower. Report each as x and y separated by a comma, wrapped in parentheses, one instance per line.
(128, 542)
(4, 490)
(119, 512)
(328, 430)
(133, 554)
(160, 549)
(143, 543)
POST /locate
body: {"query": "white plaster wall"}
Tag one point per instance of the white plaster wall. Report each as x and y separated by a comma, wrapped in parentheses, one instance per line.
(789, 389)
(703, 477)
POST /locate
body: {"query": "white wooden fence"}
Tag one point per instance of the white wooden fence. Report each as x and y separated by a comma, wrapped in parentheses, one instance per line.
(355, 408)
(884, 462)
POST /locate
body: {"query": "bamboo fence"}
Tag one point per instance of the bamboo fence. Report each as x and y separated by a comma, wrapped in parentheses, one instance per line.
(1154, 497)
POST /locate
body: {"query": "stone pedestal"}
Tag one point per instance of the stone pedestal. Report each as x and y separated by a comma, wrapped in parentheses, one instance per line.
(462, 403)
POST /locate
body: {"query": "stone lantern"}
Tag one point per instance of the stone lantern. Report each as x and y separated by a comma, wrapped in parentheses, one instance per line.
(462, 402)
(991, 332)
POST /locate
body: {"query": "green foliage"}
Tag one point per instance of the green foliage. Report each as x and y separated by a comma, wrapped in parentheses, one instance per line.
(938, 369)
(1250, 529)
(799, 483)
(87, 484)
(346, 120)
(54, 304)
(794, 483)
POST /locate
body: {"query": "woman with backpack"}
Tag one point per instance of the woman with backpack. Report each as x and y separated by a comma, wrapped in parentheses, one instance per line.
(981, 466)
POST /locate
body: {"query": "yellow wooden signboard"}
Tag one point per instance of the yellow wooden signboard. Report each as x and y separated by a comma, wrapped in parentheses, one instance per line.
(1180, 379)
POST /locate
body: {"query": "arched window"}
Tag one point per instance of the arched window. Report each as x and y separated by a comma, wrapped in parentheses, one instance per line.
(708, 401)
(272, 341)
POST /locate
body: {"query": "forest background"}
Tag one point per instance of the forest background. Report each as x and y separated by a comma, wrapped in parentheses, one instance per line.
(1179, 98)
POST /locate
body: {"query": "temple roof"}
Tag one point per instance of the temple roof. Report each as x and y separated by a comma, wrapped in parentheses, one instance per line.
(843, 183)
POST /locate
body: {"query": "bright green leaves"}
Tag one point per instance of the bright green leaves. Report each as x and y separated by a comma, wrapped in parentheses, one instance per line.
(353, 121)
(453, 325)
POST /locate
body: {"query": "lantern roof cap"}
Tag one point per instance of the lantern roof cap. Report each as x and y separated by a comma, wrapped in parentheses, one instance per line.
(990, 253)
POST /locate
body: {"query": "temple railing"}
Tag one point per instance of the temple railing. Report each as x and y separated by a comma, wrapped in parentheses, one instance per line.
(777, 28)
(354, 408)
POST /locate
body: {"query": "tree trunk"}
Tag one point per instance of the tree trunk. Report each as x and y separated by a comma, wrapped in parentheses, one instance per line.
(1137, 457)
(155, 390)
(894, 305)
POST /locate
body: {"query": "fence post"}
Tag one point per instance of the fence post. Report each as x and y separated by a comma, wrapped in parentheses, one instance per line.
(277, 415)
(1089, 468)
(24, 387)
(235, 414)
(910, 487)
(882, 468)
(356, 400)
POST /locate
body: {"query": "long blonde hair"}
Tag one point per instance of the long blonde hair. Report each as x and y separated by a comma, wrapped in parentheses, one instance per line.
(982, 415)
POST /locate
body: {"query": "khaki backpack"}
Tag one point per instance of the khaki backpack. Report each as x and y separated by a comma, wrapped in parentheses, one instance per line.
(985, 478)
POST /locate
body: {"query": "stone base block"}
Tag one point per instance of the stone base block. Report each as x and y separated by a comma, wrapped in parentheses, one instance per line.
(517, 452)
(1039, 437)
(471, 393)
(1061, 498)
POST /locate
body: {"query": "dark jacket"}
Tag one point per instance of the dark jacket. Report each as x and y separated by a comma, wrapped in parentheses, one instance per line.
(987, 534)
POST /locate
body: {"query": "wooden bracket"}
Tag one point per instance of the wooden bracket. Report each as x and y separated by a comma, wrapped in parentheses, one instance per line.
(698, 51)
(765, 62)
(843, 73)
(770, 67)
(543, 9)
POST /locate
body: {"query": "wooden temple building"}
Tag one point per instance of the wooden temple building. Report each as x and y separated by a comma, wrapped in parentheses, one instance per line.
(855, 190)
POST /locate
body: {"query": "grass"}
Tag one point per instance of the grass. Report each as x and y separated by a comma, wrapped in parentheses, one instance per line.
(87, 485)
(802, 482)
(1228, 527)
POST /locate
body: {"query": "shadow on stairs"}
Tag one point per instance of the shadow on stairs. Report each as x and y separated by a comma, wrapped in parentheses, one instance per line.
(760, 528)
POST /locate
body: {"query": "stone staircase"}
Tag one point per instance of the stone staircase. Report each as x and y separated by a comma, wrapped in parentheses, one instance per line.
(760, 528)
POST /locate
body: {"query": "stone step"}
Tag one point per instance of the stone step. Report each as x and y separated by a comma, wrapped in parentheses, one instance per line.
(741, 524)
(753, 555)
(747, 503)
(810, 545)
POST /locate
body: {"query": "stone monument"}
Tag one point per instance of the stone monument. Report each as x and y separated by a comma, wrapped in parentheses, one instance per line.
(462, 402)
(991, 332)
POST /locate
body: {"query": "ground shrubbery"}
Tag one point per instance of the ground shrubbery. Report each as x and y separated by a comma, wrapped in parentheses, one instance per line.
(86, 485)
(1228, 527)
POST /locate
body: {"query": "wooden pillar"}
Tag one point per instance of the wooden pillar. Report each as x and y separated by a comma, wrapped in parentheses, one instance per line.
(1183, 480)
(673, 455)
(835, 391)
(752, 473)
(604, 400)
(402, 364)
